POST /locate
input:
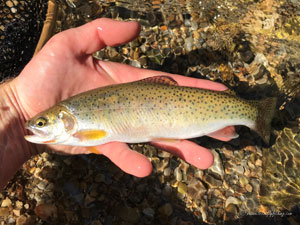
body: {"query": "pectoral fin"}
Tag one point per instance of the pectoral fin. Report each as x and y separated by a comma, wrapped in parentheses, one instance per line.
(90, 135)
(225, 134)
(172, 140)
(94, 150)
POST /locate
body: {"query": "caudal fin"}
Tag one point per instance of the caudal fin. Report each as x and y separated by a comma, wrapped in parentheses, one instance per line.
(266, 109)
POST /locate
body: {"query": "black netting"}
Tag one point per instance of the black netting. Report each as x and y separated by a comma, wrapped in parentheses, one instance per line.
(21, 23)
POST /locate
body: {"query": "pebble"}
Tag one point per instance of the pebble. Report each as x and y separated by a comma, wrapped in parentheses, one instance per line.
(46, 211)
(243, 181)
(195, 189)
(188, 44)
(11, 220)
(6, 202)
(182, 188)
(239, 169)
(199, 174)
(248, 187)
(167, 190)
(217, 167)
(26, 206)
(135, 63)
(22, 220)
(232, 200)
(160, 165)
(230, 212)
(129, 214)
(167, 172)
(258, 162)
(166, 209)
(42, 185)
(149, 212)
(4, 212)
(178, 174)
(17, 212)
(212, 182)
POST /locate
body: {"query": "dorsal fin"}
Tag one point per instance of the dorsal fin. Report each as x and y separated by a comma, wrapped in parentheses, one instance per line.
(160, 80)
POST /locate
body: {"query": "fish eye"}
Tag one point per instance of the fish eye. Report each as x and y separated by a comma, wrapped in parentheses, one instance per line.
(41, 122)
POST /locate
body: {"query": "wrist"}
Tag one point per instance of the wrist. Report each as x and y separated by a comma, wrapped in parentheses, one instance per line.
(14, 150)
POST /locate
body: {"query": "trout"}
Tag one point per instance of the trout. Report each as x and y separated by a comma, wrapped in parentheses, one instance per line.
(155, 108)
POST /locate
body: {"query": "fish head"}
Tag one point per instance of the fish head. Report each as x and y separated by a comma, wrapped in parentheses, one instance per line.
(53, 126)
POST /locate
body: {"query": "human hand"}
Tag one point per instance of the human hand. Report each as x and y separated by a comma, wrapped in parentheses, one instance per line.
(65, 67)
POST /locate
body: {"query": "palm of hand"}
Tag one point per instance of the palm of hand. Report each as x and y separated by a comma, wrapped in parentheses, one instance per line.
(65, 67)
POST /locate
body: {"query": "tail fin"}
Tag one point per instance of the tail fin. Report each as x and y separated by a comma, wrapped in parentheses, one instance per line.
(266, 109)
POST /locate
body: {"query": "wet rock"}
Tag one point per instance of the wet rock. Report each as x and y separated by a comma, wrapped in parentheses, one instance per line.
(46, 211)
(128, 214)
(212, 182)
(199, 174)
(160, 165)
(239, 169)
(248, 187)
(149, 212)
(24, 220)
(182, 188)
(135, 63)
(178, 174)
(167, 190)
(6, 202)
(230, 212)
(4, 212)
(166, 209)
(217, 167)
(167, 172)
(17, 212)
(243, 181)
(232, 200)
(189, 42)
(195, 189)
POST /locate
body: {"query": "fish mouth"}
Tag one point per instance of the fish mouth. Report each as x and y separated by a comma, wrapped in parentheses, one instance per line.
(38, 136)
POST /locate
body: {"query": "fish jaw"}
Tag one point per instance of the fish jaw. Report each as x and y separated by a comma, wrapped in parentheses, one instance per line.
(39, 140)
(38, 137)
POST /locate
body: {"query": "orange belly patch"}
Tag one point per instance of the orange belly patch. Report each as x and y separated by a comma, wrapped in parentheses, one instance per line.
(90, 135)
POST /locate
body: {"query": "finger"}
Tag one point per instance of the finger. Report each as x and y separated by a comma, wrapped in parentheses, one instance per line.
(97, 34)
(122, 73)
(192, 153)
(126, 159)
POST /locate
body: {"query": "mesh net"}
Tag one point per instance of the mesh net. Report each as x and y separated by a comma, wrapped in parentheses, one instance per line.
(21, 22)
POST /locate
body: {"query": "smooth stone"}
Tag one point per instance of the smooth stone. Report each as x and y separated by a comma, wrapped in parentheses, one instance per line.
(4, 212)
(217, 167)
(128, 214)
(6, 202)
(166, 209)
(149, 212)
(182, 188)
(46, 211)
(178, 174)
(167, 172)
(232, 200)
(17, 212)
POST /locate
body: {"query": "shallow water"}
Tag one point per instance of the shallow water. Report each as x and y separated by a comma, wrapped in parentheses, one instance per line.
(251, 46)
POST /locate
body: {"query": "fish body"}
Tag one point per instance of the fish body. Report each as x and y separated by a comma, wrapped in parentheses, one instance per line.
(151, 109)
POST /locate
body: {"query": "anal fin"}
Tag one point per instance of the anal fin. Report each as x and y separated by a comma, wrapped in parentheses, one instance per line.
(172, 140)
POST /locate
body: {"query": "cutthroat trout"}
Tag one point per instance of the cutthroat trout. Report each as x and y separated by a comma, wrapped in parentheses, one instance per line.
(155, 108)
